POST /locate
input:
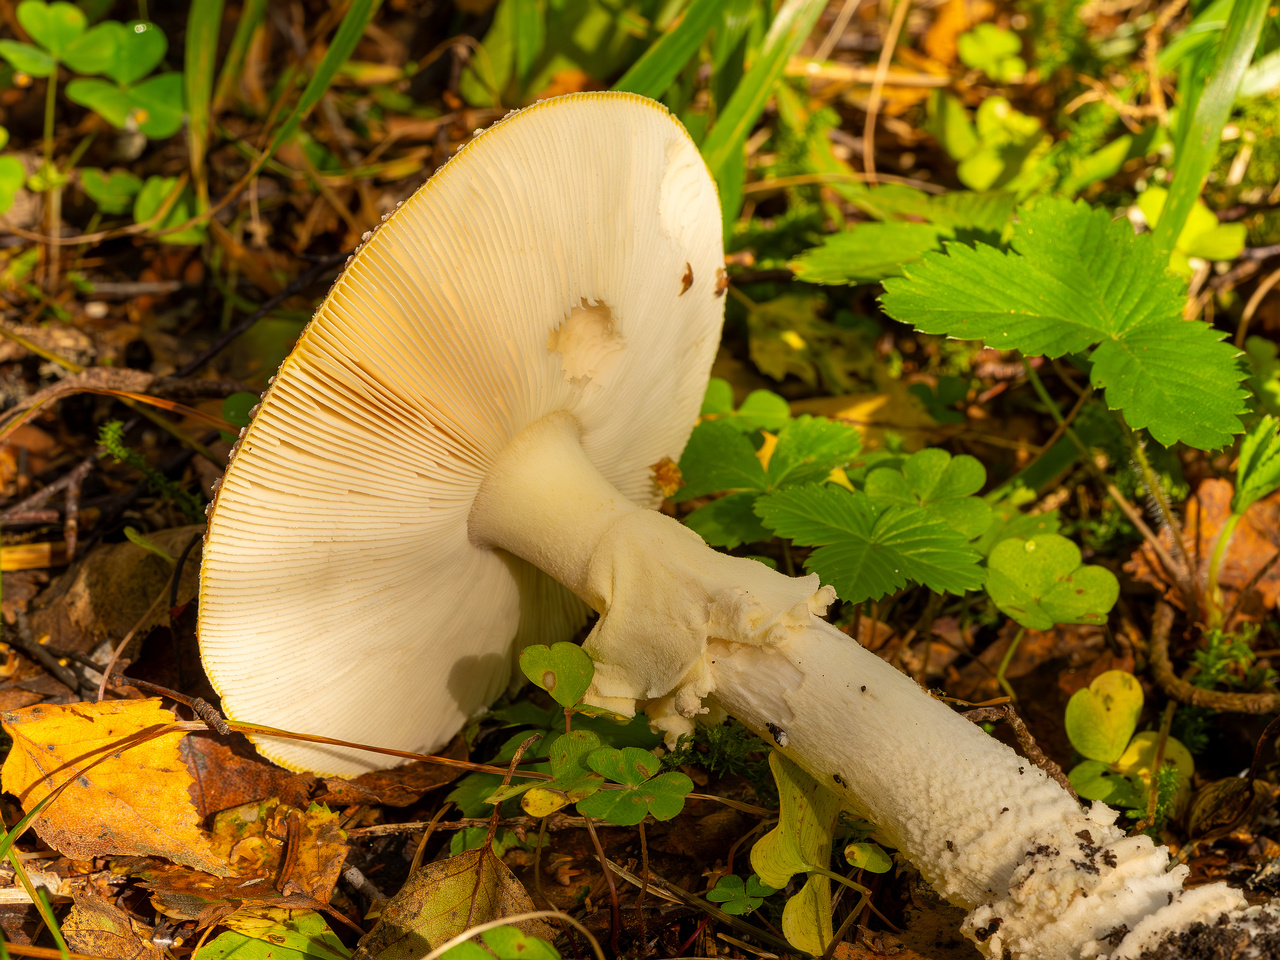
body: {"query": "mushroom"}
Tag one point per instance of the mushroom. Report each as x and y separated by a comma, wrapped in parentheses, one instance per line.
(457, 460)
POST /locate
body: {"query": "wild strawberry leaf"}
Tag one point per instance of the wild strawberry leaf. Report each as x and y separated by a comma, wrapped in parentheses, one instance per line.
(809, 448)
(940, 483)
(867, 550)
(1259, 471)
(1073, 280)
(718, 457)
(729, 522)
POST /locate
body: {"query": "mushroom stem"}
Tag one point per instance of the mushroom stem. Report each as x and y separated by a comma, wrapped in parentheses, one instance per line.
(1042, 877)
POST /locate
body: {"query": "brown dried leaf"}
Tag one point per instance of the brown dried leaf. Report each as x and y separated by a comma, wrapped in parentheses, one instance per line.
(123, 794)
(99, 928)
(282, 856)
(107, 593)
(399, 787)
(225, 779)
(442, 900)
(1255, 541)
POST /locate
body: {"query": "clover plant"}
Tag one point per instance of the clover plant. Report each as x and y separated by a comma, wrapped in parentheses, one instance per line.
(1119, 766)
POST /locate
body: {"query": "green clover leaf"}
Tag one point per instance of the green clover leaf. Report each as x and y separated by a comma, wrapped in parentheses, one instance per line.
(563, 669)
(662, 795)
(1101, 718)
(1041, 581)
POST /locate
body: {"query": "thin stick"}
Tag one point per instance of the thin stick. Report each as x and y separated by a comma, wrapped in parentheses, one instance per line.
(877, 85)
(837, 29)
(615, 912)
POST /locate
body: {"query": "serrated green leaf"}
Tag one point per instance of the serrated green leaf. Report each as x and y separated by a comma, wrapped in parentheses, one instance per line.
(718, 457)
(1258, 472)
(1101, 718)
(939, 483)
(1041, 581)
(52, 25)
(563, 669)
(1073, 280)
(729, 522)
(867, 252)
(866, 550)
(809, 448)
(27, 59)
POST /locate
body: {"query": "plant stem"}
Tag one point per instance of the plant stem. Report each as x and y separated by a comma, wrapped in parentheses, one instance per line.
(1176, 571)
(1004, 663)
(1213, 596)
(1157, 491)
(53, 206)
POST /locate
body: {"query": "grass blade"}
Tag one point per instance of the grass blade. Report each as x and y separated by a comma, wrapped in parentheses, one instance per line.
(204, 21)
(344, 43)
(723, 147)
(657, 69)
(251, 15)
(1244, 24)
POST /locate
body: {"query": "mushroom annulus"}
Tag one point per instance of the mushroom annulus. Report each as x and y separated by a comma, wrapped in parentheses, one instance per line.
(456, 461)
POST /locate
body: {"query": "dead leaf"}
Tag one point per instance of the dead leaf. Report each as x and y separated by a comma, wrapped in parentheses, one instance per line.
(953, 18)
(99, 928)
(891, 407)
(19, 589)
(399, 787)
(121, 797)
(1255, 541)
(302, 851)
(106, 593)
(225, 779)
(110, 380)
(442, 900)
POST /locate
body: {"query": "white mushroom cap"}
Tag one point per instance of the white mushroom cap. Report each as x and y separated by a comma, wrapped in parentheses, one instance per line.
(566, 260)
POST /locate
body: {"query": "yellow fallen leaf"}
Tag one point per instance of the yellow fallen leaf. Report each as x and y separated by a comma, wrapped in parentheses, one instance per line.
(123, 795)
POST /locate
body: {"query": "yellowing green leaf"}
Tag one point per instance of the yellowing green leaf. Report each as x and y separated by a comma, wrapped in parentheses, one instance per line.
(1100, 719)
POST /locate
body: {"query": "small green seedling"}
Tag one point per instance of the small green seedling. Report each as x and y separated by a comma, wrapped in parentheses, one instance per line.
(12, 175)
(994, 51)
(151, 198)
(505, 943)
(1119, 768)
(1257, 476)
(737, 897)
(1202, 236)
(999, 149)
(761, 410)
(113, 192)
(801, 843)
(1041, 581)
